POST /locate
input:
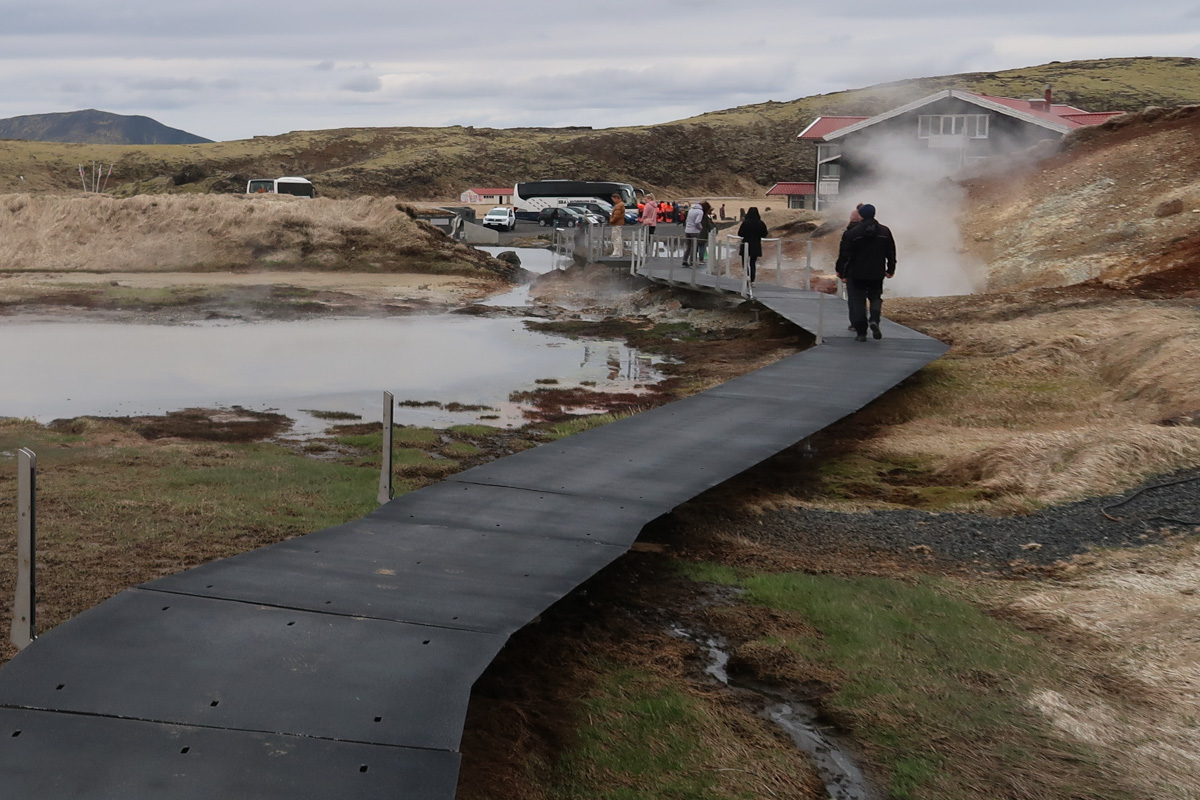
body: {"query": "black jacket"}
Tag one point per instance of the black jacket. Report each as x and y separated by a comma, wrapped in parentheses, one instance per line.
(867, 252)
(752, 232)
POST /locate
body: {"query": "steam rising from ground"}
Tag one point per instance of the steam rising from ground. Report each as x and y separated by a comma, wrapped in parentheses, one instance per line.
(913, 194)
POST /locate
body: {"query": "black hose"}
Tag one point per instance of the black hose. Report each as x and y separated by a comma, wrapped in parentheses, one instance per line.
(1144, 489)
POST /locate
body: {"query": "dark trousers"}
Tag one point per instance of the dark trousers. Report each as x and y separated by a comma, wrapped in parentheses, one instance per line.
(861, 294)
(690, 248)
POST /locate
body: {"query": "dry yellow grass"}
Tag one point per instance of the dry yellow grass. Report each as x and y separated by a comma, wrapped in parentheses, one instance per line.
(1139, 610)
(1058, 405)
(208, 232)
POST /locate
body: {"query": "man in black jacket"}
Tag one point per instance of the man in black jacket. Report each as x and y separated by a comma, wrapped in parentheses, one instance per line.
(866, 256)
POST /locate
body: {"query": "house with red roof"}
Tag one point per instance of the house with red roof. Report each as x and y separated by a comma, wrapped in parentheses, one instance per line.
(944, 132)
(495, 196)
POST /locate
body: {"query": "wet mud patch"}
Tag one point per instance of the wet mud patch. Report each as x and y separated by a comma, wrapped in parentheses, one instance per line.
(235, 424)
(563, 404)
(281, 302)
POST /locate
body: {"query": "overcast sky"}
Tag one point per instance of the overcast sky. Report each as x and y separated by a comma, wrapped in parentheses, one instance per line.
(232, 69)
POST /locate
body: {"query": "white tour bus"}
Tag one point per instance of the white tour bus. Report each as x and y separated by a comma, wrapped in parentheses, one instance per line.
(300, 187)
(536, 195)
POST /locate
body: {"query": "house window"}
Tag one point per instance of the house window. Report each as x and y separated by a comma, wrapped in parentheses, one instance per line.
(826, 152)
(971, 126)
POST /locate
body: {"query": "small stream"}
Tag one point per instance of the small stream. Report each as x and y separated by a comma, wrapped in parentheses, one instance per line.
(833, 762)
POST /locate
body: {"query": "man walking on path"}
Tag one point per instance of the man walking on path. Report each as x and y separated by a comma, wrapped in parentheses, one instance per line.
(866, 256)
(617, 220)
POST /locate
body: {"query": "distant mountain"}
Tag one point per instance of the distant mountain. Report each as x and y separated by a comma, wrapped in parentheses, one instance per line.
(94, 127)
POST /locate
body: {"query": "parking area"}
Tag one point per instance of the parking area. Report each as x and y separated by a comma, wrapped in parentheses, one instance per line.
(527, 230)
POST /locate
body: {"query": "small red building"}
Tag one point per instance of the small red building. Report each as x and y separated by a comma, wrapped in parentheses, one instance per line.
(499, 197)
(799, 194)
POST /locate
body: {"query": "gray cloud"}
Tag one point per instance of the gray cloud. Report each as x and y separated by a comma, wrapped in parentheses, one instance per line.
(363, 83)
(229, 69)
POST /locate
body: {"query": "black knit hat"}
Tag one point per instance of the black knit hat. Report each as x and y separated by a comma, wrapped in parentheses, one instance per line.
(866, 211)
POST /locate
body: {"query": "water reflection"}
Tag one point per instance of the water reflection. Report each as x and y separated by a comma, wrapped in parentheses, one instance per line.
(533, 259)
(58, 369)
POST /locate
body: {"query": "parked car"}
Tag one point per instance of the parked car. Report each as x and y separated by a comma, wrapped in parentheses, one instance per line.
(597, 207)
(591, 217)
(501, 217)
(603, 210)
(560, 218)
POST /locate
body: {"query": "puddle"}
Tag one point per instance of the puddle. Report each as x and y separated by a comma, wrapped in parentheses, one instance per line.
(57, 369)
(533, 259)
(842, 778)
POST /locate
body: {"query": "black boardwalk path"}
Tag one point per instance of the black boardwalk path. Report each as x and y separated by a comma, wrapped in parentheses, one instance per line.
(339, 664)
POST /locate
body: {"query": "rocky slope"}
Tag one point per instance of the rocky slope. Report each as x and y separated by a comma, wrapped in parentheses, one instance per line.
(1117, 203)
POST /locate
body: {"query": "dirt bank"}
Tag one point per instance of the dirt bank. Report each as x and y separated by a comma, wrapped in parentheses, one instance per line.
(97, 233)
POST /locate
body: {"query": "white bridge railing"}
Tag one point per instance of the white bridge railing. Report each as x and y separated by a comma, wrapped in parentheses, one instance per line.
(720, 256)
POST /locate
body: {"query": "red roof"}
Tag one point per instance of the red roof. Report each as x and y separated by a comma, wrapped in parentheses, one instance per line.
(1096, 118)
(1059, 115)
(793, 188)
(823, 126)
(506, 190)
(1059, 112)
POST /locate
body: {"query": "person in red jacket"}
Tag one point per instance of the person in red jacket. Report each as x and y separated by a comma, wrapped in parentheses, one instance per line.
(866, 256)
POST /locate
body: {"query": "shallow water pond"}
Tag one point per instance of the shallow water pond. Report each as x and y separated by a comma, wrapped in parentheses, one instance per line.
(57, 369)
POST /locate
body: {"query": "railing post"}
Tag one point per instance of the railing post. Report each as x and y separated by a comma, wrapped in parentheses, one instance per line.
(821, 318)
(385, 470)
(24, 619)
(695, 268)
(779, 262)
(808, 267)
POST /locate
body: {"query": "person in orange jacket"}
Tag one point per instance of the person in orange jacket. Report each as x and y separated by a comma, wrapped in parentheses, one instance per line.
(617, 221)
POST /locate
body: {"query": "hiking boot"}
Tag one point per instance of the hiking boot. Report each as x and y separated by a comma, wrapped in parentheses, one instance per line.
(878, 334)
(862, 337)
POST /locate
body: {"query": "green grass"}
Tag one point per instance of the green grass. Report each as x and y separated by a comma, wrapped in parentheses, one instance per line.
(571, 427)
(414, 437)
(640, 740)
(923, 674)
(114, 511)
(331, 415)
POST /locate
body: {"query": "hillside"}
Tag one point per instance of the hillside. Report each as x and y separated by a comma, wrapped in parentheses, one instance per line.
(1119, 202)
(94, 127)
(733, 152)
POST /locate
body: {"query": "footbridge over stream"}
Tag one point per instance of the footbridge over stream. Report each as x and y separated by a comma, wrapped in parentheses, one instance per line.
(339, 664)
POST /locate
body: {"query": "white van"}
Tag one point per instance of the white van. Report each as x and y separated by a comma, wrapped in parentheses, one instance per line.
(300, 187)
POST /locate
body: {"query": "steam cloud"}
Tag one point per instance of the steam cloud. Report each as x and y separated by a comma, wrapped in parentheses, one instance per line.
(914, 195)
